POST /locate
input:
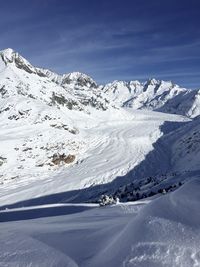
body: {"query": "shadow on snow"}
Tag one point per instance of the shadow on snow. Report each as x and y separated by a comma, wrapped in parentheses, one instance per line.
(156, 162)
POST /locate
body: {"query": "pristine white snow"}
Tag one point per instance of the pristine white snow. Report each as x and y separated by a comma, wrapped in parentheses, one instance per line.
(163, 232)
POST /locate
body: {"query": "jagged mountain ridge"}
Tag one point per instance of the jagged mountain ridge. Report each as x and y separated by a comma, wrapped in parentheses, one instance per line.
(155, 95)
(163, 96)
(19, 77)
(158, 95)
(83, 87)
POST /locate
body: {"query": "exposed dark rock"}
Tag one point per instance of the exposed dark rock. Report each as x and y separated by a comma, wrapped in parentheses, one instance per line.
(57, 159)
(2, 160)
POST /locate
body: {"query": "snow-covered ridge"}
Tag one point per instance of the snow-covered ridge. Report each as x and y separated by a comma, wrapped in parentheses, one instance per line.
(9, 56)
(153, 95)
(51, 75)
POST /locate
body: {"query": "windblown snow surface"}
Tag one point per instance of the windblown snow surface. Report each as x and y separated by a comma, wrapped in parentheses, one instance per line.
(161, 232)
(65, 141)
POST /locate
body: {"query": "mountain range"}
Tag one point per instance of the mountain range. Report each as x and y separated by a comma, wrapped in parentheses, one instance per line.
(164, 96)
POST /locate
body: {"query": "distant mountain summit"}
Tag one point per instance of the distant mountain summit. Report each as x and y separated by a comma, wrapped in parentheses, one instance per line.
(164, 96)
(78, 79)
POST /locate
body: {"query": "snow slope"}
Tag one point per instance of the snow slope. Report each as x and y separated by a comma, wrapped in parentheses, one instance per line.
(112, 145)
(186, 148)
(157, 233)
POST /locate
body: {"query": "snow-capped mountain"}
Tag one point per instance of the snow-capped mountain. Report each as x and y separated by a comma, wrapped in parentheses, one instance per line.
(154, 95)
(78, 80)
(18, 78)
(83, 87)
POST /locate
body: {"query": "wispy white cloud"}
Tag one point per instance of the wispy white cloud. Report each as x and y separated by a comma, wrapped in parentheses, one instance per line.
(113, 44)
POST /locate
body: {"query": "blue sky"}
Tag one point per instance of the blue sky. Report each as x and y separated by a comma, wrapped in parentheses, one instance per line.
(107, 39)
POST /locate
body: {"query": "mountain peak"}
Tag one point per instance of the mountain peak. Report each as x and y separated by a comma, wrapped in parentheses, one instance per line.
(153, 81)
(76, 75)
(8, 53)
(79, 79)
(13, 58)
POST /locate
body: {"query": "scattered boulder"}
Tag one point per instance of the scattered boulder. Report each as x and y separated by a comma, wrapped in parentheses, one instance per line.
(58, 159)
(2, 160)
(65, 127)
